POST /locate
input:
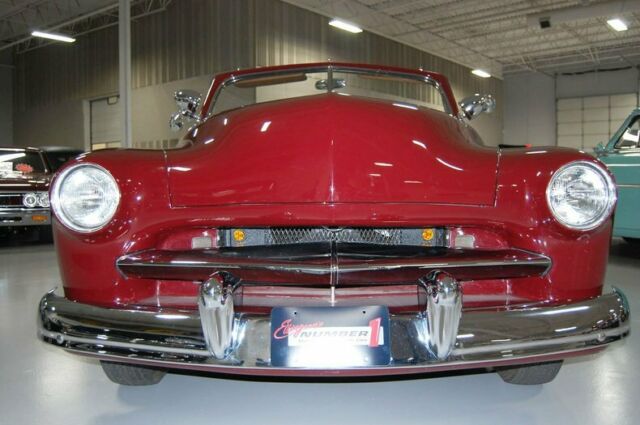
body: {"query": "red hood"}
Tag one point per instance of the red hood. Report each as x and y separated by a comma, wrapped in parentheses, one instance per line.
(330, 148)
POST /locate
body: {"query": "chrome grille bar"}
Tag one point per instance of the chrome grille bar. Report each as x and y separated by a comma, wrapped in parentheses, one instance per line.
(11, 200)
(318, 264)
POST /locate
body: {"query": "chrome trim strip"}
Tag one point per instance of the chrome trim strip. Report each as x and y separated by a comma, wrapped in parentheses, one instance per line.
(175, 338)
(348, 263)
(330, 68)
(629, 186)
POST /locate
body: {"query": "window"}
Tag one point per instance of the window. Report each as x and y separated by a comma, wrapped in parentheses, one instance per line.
(18, 162)
(630, 139)
(408, 90)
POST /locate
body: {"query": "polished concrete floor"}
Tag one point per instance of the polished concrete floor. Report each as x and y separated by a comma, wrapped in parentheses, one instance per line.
(40, 384)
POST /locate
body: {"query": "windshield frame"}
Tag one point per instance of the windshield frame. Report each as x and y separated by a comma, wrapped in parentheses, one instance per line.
(438, 81)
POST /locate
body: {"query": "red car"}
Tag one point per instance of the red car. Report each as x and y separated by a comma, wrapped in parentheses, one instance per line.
(332, 219)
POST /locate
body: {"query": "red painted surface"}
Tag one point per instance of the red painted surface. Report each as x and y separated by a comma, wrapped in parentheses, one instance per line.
(309, 172)
(329, 148)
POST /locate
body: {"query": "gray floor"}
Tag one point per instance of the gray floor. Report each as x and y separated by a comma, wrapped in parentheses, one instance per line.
(39, 384)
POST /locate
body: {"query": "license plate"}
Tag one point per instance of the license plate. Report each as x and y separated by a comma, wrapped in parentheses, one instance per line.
(330, 337)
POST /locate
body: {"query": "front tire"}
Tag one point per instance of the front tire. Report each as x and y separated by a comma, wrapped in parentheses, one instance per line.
(531, 374)
(126, 374)
(632, 241)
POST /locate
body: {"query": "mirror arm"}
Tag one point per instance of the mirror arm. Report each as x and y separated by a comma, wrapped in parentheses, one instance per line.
(188, 103)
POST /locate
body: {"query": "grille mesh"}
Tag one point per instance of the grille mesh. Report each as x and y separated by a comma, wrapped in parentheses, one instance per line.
(10, 200)
(300, 235)
(284, 235)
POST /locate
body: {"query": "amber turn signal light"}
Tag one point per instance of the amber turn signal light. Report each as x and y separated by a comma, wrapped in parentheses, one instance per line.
(39, 218)
(238, 235)
(428, 234)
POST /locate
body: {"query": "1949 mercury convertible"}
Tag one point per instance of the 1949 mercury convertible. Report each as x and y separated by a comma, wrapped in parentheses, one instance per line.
(332, 219)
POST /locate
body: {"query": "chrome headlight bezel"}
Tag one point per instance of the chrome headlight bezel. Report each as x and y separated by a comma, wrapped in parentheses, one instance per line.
(608, 184)
(30, 200)
(35, 200)
(59, 210)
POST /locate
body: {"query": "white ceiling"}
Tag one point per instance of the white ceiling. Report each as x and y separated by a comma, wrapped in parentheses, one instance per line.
(502, 36)
(18, 18)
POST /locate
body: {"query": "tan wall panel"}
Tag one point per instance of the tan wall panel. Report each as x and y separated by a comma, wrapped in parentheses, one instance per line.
(61, 125)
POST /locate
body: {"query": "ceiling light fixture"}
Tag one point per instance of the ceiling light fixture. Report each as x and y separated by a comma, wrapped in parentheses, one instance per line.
(481, 73)
(52, 36)
(617, 24)
(345, 26)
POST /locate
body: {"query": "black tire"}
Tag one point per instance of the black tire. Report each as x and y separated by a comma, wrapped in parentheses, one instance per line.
(125, 374)
(632, 241)
(532, 374)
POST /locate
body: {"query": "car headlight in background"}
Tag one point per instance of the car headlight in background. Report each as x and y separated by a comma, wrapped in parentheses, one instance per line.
(30, 200)
(581, 195)
(43, 199)
(35, 199)
(85, 197)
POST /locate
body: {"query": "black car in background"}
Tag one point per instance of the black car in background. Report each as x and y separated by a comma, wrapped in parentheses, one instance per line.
(24, 192)
(58, 155)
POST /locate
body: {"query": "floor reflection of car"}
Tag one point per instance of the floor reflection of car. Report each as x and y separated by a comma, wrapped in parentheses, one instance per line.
(58, 155)
(24, 197)
(622, 156)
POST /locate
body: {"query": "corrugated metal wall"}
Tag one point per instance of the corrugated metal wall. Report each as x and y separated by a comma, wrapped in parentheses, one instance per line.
(201, 37)
(193, 37)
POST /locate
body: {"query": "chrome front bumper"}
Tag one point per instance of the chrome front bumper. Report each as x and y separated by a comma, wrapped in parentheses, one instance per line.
(24, 217)
(240, 343)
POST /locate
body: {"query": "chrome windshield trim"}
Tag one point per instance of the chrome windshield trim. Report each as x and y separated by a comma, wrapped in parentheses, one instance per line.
(330, 68)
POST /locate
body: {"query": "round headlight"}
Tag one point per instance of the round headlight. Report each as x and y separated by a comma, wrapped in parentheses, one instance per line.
(85, 197)
(29, 200)
(581, 195)
(43, 199)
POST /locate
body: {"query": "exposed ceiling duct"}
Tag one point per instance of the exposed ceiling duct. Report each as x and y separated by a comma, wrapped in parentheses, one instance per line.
(502, 36)
(609, 9)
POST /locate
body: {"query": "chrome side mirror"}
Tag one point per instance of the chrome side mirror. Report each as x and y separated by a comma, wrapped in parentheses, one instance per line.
(473, 106)
(338, 83)
(599, 149)
(188, 102)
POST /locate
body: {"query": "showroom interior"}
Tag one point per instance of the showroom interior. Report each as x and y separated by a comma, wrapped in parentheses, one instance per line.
(530, 79)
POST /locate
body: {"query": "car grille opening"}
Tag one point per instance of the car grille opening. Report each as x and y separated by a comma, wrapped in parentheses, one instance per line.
(429, 237)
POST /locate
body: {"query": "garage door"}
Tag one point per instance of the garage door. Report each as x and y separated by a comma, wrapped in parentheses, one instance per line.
(583, 122)
(106, 124)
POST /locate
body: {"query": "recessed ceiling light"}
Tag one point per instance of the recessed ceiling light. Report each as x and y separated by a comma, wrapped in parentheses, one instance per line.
(345, 26)
(52, 36)
(617, 24)
(481, 73)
